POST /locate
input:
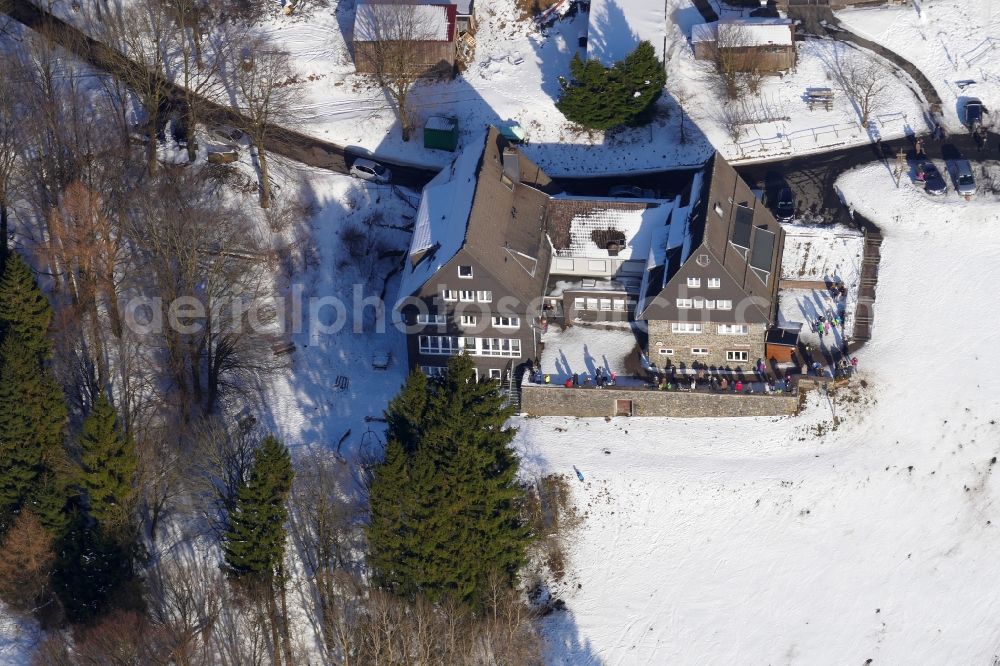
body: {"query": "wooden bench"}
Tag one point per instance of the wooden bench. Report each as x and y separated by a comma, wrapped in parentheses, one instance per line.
(819, 97)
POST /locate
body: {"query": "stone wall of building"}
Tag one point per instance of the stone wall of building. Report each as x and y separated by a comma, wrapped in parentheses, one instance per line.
(661, 336)
(593, 402)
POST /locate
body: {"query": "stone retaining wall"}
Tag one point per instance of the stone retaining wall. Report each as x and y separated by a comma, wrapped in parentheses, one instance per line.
(592, 402)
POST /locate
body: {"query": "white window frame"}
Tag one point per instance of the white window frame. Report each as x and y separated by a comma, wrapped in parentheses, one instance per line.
(738, 355)
(684, 303)
(468, 320)
(467, 296)
(709, 303)
(698, 302)
(431, 320)
(685, 327)
(484, 296)
(579, 304)
(496, 373)
(604, 304)
(700, 351)
(435, 345)
(715, 283)
(734, 329)
(619, 304)
(465, 277)
(434, 370)
(724, 304)
(449, 295)
(694, 283)
(502, 321)
(666, 351)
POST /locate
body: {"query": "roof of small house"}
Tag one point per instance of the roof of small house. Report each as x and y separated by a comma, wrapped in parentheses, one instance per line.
(584, 227)
(464, 7)
(756, 32)
(435, 22)
(704, 32)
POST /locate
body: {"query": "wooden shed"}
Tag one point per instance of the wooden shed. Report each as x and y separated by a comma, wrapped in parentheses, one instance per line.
(781, 343)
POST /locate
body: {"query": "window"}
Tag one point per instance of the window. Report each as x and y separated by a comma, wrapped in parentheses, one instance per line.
(506, 322)
(685, 327)
(666, 352)
(591, 303)
(484, 296)
(734, 329)
(714, 283)
(465, 272)
(431, 319)
(578, 304)
(597, 265)
(449, 295)
(605, 303)
(724, 305)
(699, 351)
(694, 283)
(495, 347)
(684, 303)
(439, 344)
(565, 264)
(737, 355)
(709, 304)
(699, 302)
(703, 261)
(468, 320)
(619, 304)
(494, 373)
(466, 296)
(718, 209)
(434, 370)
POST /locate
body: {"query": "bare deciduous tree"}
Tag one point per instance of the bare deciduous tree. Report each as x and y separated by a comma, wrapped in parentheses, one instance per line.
(737, 61)
(265, 91)
(865, 81)
(9, 152)
(185, 602)
(391, 48)
(26, 561)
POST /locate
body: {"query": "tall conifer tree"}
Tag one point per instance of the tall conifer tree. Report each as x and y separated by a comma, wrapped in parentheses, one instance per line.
(108, 465)
(254, 543)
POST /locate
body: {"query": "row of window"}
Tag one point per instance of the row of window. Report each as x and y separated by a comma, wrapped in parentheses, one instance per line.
(694, 327)
(733, 355)
(467, 296)
(713, 283)
(448, 345)
(605, 304)
(497, 321)
(442, 370)
(699, 303)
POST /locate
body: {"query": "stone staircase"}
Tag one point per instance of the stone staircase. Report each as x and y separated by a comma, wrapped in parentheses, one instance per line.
(864, 315)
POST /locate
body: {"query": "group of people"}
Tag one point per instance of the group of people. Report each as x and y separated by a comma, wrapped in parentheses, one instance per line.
(826, 323)
(602, 378)
(722, 384)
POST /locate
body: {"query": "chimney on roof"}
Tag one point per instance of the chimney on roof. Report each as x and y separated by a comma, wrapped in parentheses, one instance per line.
(511, 165)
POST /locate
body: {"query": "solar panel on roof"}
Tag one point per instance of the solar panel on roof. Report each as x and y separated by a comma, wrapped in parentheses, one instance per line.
(763, 249)
(741, 227)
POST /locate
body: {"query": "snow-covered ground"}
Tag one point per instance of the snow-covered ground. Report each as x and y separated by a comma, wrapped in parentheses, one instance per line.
(861, 529)
(582, 349)
(822, 253)
(953, 42)
(18, 638)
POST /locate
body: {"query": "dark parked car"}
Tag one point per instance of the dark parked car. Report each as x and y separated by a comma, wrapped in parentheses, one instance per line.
(785, 210)
(933, 181)
(973, 114)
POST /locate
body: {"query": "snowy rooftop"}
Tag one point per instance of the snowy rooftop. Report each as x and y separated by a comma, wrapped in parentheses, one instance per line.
(442, 218)
(585, 227)
(374, 21)
(616, 27)
(755, 32)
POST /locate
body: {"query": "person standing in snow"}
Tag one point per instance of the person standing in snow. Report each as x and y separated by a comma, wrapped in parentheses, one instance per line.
(576, 380)
(694, 384)
(614, 377)
(739, 386)
(826, 328)
(724, 384)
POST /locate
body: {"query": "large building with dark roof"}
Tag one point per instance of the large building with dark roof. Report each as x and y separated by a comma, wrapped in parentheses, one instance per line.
(497, 254)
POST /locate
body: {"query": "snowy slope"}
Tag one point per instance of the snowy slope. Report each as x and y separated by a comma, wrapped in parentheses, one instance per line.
(950, 41)
(798, 540)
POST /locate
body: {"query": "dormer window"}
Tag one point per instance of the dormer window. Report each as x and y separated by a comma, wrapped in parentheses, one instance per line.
(465, 272)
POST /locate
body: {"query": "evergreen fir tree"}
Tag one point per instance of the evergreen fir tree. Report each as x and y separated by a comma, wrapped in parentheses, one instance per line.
(406, 411)
(601, 98)
(108, 465)
(32, 415)
(24, 310)
(450, 518)
(254, 543)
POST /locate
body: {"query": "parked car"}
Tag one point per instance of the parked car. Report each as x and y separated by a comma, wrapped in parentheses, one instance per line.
(630, 192)
(965, 182)
(784, 211)
(933, 181)
(371, 171)
(973, 114)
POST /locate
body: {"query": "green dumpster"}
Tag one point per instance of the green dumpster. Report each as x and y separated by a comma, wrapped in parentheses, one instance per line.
(441, 133)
